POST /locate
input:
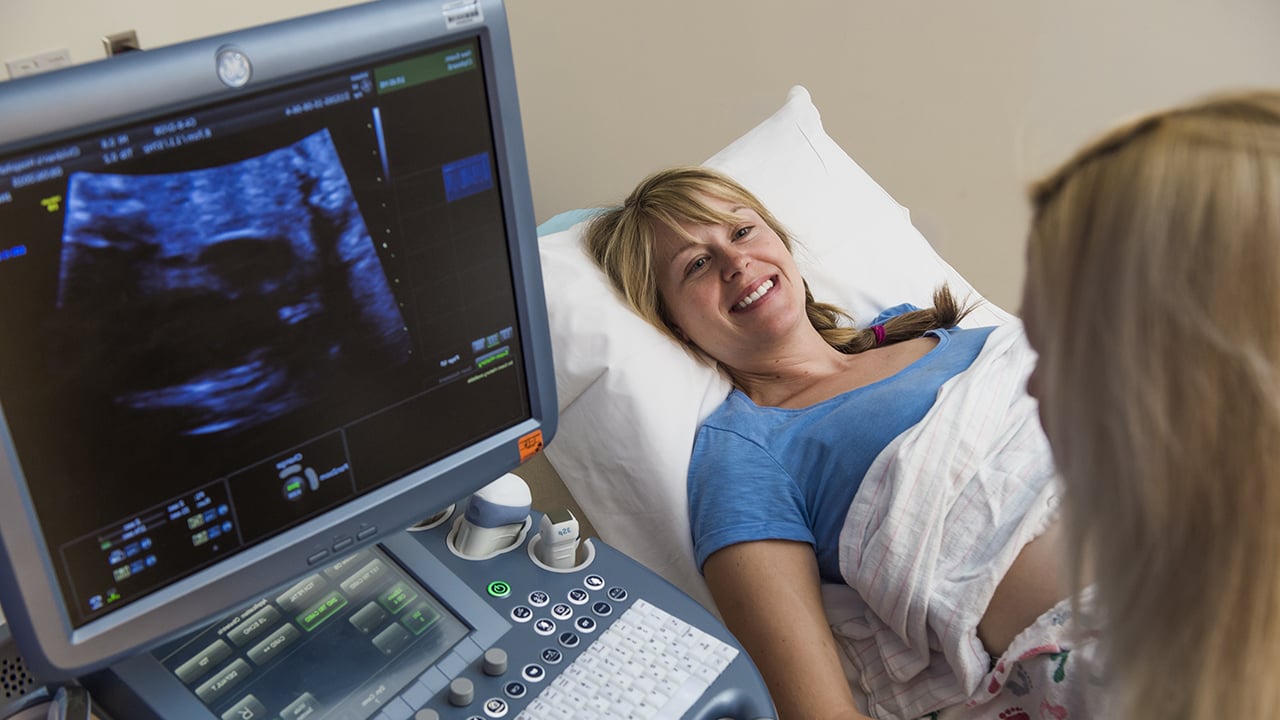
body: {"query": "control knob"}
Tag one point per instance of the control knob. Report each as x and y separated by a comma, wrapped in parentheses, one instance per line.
(461, 692)
(495, 661)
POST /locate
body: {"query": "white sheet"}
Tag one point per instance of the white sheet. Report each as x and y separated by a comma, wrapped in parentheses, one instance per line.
(939, 518)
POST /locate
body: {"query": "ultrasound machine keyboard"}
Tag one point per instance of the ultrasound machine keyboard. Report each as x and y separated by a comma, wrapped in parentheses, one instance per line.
(647, 664)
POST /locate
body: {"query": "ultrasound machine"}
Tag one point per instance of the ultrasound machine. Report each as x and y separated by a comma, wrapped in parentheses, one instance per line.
(272, 338)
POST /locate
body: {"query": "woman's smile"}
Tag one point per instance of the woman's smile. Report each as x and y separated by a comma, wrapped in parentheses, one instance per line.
(755, 295)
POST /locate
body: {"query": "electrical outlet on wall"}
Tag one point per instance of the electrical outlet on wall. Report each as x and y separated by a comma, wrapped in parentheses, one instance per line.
(121, 42)
(48, 60)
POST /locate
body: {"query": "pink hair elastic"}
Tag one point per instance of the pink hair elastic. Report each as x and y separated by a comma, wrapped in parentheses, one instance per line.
(879, 331)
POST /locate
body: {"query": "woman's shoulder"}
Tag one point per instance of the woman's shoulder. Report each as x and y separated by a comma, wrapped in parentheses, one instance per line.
(740, 416)
(736, 427)
(737, 409)
(887, 313)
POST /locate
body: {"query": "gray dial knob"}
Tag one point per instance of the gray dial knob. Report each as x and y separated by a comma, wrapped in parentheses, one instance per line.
(461, 692)
(495, 661)
(426, 714)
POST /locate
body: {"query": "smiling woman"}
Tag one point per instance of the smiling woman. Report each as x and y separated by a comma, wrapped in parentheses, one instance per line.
(682, 229)
(836, 459)
(732, 285)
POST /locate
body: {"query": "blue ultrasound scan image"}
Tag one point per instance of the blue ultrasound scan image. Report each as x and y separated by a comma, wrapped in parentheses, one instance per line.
(216, 299)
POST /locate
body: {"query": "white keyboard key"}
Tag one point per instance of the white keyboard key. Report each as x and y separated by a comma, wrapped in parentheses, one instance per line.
(646, 710)
(678, 675)
(633, 695)
(601, 678)
(621, 681)
(684, 698)
(644, 684)
(706, 674)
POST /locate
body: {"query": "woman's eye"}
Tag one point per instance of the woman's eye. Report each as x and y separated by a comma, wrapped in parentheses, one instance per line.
(697, 265)
(741, 232)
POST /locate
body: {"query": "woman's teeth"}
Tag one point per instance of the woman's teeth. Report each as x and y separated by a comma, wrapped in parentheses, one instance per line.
(765, 287)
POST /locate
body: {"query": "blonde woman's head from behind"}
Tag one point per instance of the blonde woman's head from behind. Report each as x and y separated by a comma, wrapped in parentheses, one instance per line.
(1153, 297)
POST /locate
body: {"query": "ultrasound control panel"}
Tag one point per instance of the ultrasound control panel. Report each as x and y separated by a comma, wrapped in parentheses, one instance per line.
(411, 629)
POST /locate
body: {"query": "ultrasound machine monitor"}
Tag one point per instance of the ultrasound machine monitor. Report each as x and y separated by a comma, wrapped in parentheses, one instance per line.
(265, 299)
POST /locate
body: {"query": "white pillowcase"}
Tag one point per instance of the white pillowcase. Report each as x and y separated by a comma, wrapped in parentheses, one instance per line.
(631, 398)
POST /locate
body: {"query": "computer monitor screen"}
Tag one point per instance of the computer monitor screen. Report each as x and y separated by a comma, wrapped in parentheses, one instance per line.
(264, 298)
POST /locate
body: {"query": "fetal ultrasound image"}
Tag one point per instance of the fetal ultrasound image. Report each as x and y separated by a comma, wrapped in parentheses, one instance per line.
(213, 300)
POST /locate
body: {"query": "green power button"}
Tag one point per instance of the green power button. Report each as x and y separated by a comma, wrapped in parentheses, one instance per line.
(499, 589)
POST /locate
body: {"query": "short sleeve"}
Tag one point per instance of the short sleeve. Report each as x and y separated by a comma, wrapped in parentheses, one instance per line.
(739, 493)
(891, 312)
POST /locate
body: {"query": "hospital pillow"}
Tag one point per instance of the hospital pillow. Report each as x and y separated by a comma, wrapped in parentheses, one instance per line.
(631, 398)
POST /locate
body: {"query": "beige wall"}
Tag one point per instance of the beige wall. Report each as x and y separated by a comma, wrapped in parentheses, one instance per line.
(952, 106)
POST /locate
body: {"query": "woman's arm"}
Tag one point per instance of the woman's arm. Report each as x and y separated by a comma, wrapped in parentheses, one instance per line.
(769, 594)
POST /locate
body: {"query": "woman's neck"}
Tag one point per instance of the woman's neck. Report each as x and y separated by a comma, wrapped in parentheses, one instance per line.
(807, 379)
(780, 381)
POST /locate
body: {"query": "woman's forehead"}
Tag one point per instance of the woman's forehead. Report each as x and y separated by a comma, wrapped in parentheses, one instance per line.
(691, 228)
(719, 205)
(705, 212)
(669, 241)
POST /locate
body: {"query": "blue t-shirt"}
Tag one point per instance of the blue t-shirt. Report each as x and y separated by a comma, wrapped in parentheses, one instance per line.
(768, 473)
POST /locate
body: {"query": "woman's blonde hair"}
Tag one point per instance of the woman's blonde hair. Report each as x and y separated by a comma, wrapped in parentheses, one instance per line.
(1153, 297)
(622, 241)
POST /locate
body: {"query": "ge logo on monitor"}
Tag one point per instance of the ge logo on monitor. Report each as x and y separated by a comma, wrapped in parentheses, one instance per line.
(234, 68)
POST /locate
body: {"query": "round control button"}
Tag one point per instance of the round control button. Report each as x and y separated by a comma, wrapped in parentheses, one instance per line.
(602, 608)
(585, 624)
(561, 611)
(569, 639)
(617, 594)
(515, 690)
(544, 627)
(533, 672)
(578, 596)
(593, 582)
(495, 662)
(461, 692)
(426, 714)
(521, 613)
(552, 656)
(538, 598)
(495, 707)
(499, 589)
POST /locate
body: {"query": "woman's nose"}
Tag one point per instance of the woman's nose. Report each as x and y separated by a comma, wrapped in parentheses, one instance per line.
(735, 262)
